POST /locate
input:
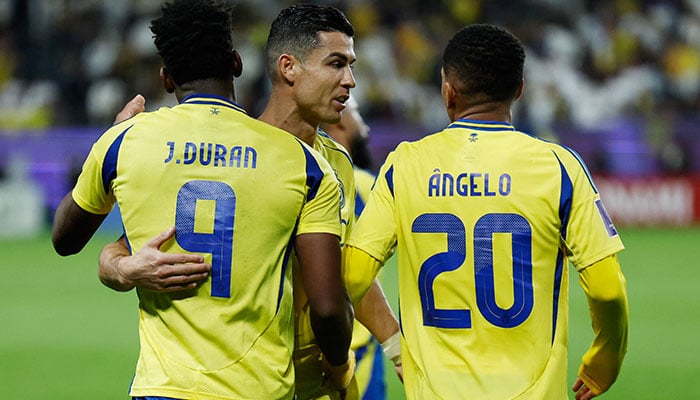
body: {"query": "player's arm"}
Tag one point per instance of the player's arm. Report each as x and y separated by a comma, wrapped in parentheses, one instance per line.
(331, 311)
(373, 311)
(371, 306)
(604, 285)
(73, 227)
(150, 268)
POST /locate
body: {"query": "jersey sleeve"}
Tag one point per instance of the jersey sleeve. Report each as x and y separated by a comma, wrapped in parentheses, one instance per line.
(321, 211)
(375, 230)
(590, 234)
(93, 191)
(604, 285)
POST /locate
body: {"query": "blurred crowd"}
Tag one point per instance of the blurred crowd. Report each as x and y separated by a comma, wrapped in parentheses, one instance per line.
(75, 62)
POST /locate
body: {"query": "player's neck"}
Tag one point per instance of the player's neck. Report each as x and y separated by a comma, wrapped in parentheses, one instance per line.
(499, 112)
(206, 86)
(287, 117)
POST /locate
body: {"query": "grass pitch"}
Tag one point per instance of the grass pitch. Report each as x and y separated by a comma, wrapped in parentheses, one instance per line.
(65, 336)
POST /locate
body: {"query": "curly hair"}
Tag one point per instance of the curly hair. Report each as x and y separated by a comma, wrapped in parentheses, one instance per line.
(485, 60)
(194, 39)
(295, 31)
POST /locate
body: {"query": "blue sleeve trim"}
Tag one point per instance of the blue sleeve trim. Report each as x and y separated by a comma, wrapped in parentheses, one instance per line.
(583, 165)
(565, 198)
(314, 175)
(359, 204)
(559, 269)
(285, 264)
(109, 164)
(389, 176)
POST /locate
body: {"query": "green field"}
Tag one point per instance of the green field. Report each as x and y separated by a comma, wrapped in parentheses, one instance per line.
(64, 336)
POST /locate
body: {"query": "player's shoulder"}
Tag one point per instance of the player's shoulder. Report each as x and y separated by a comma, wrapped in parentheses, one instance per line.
(565, 154)
(413, 148)
(331, 149)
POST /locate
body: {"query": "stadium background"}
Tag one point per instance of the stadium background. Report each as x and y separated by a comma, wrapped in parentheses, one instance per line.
(618, 80)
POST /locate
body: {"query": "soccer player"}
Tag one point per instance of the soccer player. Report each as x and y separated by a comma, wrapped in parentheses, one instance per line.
(236, 189)
(309, 52)
(484, 219)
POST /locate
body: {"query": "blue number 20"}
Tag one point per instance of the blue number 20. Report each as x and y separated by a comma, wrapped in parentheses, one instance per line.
(453, 258)
(220, 241)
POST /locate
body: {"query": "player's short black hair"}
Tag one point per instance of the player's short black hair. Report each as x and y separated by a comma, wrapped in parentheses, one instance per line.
(295, 31)
(194, 39)
(486, 61)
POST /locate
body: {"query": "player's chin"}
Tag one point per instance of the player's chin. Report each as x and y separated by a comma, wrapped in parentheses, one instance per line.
(332, 117)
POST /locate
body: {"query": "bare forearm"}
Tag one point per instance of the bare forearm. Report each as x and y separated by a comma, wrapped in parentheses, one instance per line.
(109, 271)
(334, 333)
(374, 312)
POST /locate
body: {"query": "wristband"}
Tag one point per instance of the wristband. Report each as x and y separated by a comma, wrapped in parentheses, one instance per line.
(392, 348)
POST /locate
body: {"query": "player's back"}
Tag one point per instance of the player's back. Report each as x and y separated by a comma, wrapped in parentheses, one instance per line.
(235, 188)
(482, 210)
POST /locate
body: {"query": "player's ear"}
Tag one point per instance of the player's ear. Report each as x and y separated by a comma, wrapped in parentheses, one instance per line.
(237, 64)
(286, 65)
(520, 90)
(449, 94)
(168, 83)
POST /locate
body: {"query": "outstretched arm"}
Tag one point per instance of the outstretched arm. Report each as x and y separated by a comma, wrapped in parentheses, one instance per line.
(150, 268)
(604, 285)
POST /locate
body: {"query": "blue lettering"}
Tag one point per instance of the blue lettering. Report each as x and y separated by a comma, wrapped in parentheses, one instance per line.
(462, 188)
(473, 185)
(220, 155)
(504, 185)
(204, 159)
(170, 152)
(240, 156)
(190, 153)
(448, 179)
(487, 192)
(434, 183)
(251, 157)
(235, 156)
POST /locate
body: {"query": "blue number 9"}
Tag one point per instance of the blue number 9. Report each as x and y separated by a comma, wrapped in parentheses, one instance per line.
(219, 243)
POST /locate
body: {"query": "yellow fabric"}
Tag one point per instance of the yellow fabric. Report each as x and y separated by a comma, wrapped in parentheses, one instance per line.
(604, 285)
(359, 270)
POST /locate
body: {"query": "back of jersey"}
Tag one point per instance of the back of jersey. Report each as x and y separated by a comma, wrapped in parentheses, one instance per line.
(482, 215)
(237, 191)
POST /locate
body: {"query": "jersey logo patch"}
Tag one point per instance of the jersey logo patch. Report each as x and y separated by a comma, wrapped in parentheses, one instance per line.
(607, 221)
(473, 137)
(214, 111)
